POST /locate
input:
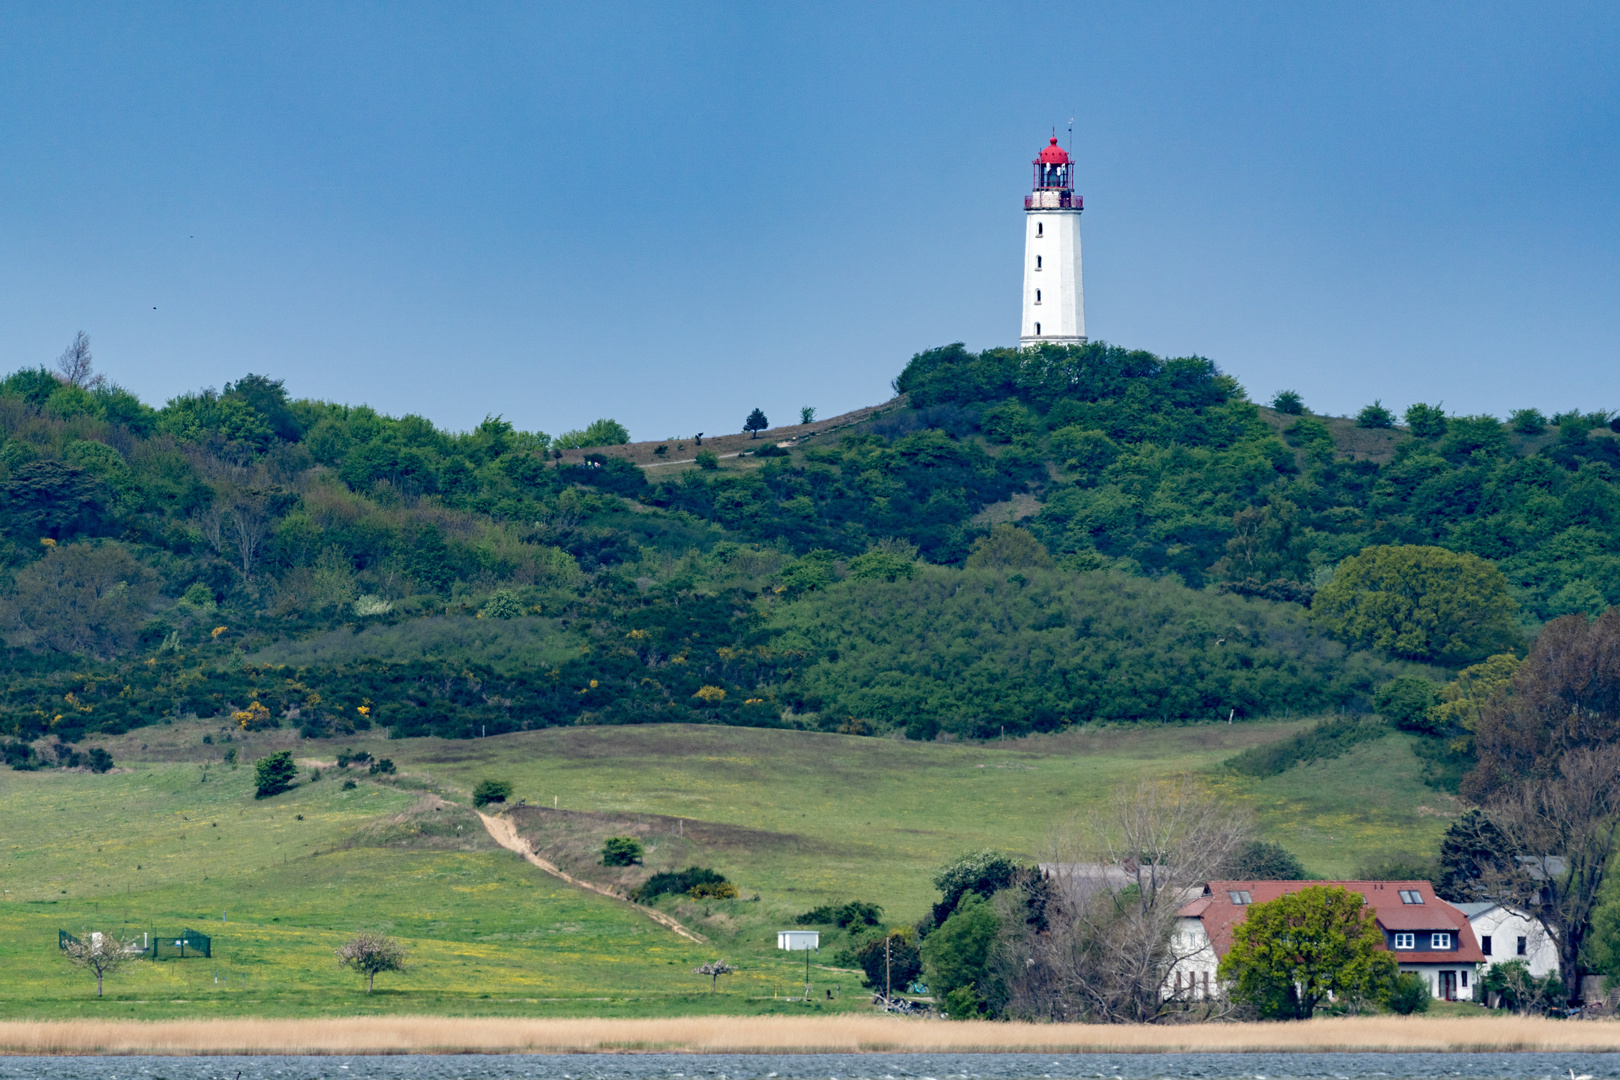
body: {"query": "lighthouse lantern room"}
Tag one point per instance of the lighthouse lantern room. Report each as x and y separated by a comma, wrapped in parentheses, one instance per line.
(1054, 298)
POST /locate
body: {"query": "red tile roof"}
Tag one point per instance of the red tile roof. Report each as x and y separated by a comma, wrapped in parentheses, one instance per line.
(1219, 914)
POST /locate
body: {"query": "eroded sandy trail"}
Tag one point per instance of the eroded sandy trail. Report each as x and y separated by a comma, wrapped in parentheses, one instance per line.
(504, 833)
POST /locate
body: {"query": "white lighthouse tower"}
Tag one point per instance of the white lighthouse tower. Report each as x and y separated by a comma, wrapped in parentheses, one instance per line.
(1054, 299)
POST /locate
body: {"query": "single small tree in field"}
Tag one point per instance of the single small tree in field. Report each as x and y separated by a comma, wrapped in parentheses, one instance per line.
(1288, 402)
(491, 791)
(1375, 416)
(371, 954)
(755, 424)
(621, 851)
(1292, 952)
(274, 773)
(714, 969)
(99, 953)
(807, 414)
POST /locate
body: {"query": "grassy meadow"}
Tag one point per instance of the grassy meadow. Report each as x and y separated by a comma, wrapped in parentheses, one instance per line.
(174, 839)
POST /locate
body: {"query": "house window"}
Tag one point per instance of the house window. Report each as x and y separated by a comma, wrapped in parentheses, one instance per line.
(1522, 944)
(1406, 941)
(1485, 944)
(1411, 896)
(1240, 896)
(1037, 262)
(1464, 974)
(1439, 941)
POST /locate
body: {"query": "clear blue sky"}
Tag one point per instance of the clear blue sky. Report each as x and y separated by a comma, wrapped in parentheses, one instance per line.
(671, 214)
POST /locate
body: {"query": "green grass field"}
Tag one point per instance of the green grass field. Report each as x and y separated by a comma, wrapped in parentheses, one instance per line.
(174, 839)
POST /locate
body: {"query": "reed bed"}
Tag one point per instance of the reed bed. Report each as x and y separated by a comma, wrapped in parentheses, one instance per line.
(785, 1034)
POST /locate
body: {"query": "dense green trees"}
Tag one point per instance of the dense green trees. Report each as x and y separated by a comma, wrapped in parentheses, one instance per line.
(984, 651)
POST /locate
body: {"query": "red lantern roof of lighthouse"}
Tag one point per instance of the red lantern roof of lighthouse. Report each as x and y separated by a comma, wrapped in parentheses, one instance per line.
(1052, 155)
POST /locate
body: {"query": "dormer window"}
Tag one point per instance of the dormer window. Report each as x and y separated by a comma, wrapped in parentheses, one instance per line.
(1411, 896)
(1240, 896)
(1406, 941)
(1439, 941)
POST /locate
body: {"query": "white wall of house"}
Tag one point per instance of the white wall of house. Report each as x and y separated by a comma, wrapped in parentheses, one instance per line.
(1514, 935)
(1192, 978)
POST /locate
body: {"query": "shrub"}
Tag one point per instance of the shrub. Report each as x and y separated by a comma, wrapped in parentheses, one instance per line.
(1527, 421)
(19, 755)
(706, 459)
(856, 912)
(621, 851)
(274, 773)
(713, 890)
(1409, 994)
(1375, 416)
(347, 757)
(1288, 403)
(491, 791)
(1426, 421)
(100, 760)
(1327, 740)
(677, 881)
(1408, 702)
(602, 432)
(382, 767)
(349, 785)
(502, 604)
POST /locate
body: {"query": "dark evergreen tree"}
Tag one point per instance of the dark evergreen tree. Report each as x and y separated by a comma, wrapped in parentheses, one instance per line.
(1471, 848)
(755, 424)
(1265, 860)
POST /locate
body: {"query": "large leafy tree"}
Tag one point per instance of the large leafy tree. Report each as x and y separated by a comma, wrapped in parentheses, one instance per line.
(1419, 603)
(1292, 952)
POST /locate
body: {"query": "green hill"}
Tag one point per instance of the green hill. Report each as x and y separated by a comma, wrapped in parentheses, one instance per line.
(174, 839)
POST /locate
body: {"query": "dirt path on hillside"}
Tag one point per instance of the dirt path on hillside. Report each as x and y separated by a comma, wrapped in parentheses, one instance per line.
(504, 833)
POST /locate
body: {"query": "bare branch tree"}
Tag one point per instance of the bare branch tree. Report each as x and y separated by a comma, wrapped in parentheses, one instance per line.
(250, 524)
(75, 366)
(211, 523)
(1111, 909)
(99, 953)
(1564, 828)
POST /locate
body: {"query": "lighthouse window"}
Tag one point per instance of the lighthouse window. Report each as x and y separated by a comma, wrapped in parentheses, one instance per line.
(1037, 262)
(1040, 229)
(1037, 296)
(1037, 329)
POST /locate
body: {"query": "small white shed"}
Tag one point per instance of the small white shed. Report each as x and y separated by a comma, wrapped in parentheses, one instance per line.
(798, 940)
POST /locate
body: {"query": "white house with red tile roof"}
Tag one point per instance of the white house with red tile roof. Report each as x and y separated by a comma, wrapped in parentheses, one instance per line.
(1427, 935)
